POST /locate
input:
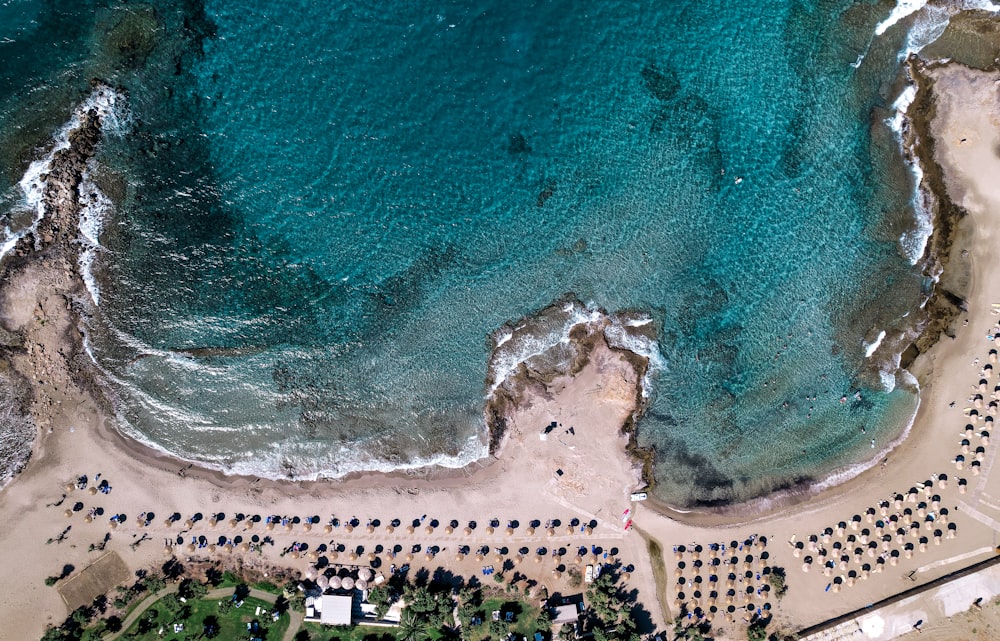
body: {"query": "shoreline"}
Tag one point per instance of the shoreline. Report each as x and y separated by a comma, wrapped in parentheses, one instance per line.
(528, 475)
(504, 401)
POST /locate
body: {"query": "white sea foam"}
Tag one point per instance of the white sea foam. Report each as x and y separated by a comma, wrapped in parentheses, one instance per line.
(308, 464)
(505, 363)
(902, 9)
(848, 472)
(870, 348)
(927, 28)
(115, 119)
(95, 207)
(913, 242)
(930, 22)
(349, 460)
(534, 338)
(888, 379)
(619, 338)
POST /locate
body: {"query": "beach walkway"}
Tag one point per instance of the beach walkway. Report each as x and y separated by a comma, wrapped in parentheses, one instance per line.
(913, 609)
(294, 623)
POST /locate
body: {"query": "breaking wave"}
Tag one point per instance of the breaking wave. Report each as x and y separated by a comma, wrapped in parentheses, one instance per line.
(545, 342)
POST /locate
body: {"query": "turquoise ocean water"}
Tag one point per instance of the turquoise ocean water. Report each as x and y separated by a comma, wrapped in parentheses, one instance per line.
(324, 215)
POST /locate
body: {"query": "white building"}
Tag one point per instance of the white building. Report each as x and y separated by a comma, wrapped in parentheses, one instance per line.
(329, 609)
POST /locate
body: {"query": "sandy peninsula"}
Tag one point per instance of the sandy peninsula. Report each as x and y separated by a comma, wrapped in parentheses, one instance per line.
(551, 492)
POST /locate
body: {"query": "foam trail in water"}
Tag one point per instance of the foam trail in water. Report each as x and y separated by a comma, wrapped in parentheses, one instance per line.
(95, 207)
(913, 242)
(902, 9)
(870, 348)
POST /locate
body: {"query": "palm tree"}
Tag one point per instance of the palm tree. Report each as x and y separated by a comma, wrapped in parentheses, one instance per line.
(411, 628)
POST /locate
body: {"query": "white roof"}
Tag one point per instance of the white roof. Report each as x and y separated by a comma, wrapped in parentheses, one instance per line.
(565, 613)
(335, 610)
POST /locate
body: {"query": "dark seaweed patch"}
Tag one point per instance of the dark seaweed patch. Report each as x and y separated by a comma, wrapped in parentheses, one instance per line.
(662, 84)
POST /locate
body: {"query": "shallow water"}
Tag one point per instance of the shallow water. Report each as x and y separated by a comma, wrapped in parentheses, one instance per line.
(322, 217)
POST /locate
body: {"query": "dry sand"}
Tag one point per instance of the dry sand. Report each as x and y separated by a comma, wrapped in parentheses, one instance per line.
(522, 484)
(76, 438)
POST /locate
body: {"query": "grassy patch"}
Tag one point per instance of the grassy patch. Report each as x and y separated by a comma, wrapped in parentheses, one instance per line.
(267, 586)
(525, 621)
(659, 573)
(231, 625)
(319, 632)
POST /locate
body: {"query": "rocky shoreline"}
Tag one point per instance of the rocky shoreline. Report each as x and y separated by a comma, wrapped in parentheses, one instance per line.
(946, 299)
(46, 259)
(536, 379)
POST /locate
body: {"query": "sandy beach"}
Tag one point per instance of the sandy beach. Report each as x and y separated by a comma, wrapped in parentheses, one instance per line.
(879, 532)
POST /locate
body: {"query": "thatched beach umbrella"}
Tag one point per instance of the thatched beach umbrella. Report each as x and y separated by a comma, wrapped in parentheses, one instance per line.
(449, 529)
(490, 530)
